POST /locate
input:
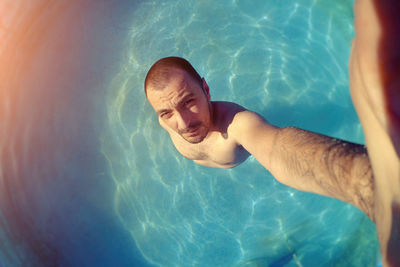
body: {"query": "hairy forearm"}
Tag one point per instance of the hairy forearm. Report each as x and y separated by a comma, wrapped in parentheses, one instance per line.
(316, 163)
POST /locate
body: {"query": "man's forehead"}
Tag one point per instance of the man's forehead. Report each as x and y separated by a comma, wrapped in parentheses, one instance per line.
(172, 94)
(179, 83)
(180, 78)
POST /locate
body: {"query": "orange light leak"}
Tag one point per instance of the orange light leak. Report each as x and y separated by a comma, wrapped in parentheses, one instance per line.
(22, 26)
(27, 105)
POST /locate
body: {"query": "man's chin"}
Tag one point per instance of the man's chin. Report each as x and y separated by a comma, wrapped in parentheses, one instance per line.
(194, 139)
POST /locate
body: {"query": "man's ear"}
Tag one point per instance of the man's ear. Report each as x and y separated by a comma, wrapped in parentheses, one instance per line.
(206, 88)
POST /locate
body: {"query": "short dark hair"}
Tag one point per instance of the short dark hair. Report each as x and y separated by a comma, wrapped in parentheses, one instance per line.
(160, 73)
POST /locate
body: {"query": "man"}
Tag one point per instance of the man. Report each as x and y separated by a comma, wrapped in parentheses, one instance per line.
(223, 134)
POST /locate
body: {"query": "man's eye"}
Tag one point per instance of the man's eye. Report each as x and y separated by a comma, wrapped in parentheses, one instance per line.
(189, 101)
(165, 115)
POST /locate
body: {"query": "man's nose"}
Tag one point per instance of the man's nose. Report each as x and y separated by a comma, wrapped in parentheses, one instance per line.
(183, 120)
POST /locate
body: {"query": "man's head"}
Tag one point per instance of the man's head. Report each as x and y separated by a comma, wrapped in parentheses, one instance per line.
(180, 97)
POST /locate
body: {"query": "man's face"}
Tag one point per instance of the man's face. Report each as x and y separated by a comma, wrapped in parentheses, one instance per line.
(183, 106)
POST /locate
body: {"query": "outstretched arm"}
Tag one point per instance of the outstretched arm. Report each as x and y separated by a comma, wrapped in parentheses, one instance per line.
(309, 161)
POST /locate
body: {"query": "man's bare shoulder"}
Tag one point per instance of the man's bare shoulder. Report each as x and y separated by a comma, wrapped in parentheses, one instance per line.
(245, 122)
(247, 127)
(230, 116)
(224, 114)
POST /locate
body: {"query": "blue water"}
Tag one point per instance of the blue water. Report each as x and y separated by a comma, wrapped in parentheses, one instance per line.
(91, 179)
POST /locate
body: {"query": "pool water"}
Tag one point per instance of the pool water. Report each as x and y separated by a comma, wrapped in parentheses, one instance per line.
(286, 60)
(89, 178)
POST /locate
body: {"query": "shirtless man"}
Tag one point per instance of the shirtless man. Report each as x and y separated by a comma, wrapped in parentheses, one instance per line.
(224, 134)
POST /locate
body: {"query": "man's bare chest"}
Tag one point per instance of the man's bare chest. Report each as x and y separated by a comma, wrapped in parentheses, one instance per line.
(218, 149)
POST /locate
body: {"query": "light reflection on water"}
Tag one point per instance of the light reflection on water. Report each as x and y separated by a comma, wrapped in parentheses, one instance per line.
(285, 67)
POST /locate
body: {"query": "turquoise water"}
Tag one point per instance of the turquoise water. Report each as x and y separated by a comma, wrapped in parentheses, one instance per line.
(286, 60)
(89, 178)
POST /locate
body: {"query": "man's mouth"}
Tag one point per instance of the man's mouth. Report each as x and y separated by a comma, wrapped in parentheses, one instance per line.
(193, 130)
